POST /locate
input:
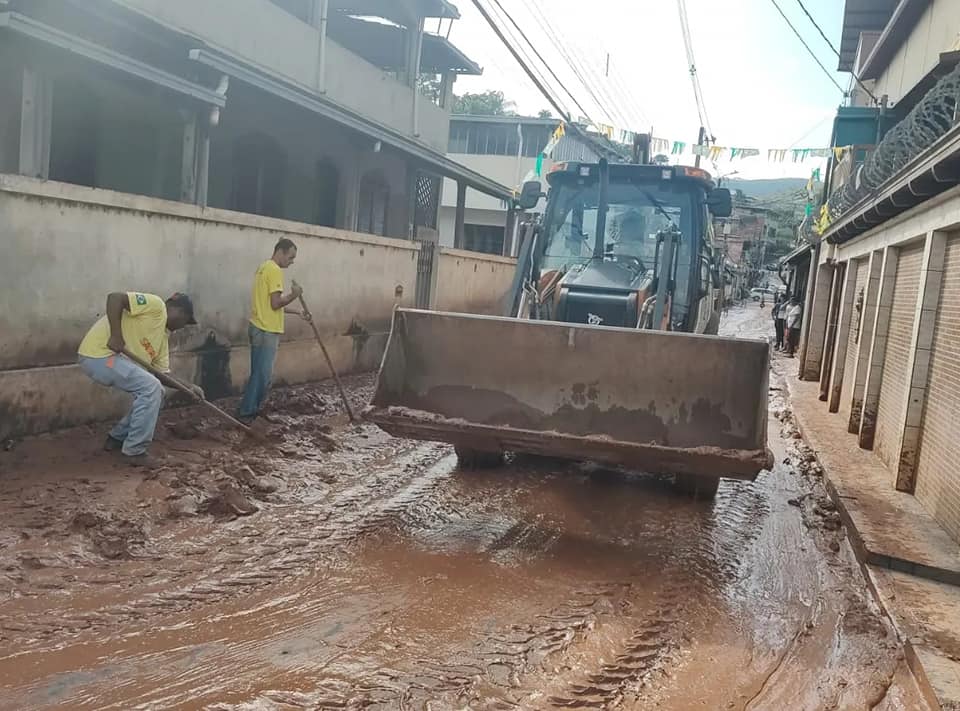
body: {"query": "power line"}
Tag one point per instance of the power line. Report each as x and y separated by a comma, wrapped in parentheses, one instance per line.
(804, 43)
(694, 77)
(516, 55)
(835, 50)
(554, 38)
(544, 62)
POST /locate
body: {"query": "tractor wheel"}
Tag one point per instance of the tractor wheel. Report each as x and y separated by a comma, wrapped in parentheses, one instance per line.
(477, 459)
(699, 488)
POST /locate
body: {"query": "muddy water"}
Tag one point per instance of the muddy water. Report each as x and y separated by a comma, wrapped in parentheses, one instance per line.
(377, 576)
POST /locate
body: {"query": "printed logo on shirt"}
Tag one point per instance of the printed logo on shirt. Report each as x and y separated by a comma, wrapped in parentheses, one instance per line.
(141, 300)
(148, 347)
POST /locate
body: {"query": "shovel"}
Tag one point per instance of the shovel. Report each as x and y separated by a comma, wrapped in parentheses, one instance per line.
(172, 382)
(326, 355)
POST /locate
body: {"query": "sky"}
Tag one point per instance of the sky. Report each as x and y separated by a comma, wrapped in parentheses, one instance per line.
(761, 88)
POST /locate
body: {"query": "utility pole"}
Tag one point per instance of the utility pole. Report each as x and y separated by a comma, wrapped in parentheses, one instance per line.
(700, 141)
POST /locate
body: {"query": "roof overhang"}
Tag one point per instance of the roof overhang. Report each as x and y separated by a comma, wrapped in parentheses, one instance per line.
(397, 10)
(934, 171)
(798, 254)
(901, 23)
(861, 16)
(382, 44)
(28, 27)
(322, 106)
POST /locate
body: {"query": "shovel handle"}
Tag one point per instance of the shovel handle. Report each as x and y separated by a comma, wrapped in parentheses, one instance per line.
(172, 382)
(326, 355)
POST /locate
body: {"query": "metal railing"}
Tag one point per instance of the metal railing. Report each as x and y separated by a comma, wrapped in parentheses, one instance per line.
(930, 120)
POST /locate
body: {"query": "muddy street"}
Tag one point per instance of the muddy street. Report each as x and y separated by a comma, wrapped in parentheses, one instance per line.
(344, 569)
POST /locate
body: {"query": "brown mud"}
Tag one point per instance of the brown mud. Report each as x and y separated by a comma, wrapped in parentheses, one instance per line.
(340, 568)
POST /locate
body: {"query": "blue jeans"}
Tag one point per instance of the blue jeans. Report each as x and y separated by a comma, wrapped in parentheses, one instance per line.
(136, 429)
(263, 352)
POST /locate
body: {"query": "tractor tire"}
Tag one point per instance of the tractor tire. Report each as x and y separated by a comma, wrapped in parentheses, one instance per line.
(477, 459)
(699, 488)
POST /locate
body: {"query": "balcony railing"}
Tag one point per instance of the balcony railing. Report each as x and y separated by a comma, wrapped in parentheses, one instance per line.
(931, 119)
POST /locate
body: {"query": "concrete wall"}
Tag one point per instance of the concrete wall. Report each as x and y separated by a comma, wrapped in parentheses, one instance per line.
(469, 282)
(65, 247)
(911, 383)
(259, 32)
(937, 31)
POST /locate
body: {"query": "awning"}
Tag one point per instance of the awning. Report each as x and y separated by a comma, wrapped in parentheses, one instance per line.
(28, 27)
(283, 89)
(383, 45)
(798, 254)
(393, 10)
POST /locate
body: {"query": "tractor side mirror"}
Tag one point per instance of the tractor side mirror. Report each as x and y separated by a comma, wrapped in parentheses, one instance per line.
(720, 202)
(530, 195)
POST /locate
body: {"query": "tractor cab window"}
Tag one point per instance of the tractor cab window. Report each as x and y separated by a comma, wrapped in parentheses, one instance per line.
(637, 214)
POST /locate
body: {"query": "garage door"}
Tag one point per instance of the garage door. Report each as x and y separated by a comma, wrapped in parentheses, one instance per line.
(853, 338)
(893, 389)
(938, 478)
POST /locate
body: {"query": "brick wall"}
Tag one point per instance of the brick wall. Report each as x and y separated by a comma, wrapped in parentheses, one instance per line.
(893, 390)
(856, 323)
(938, 478)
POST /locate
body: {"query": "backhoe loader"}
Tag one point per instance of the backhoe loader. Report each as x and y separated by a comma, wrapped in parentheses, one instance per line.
(607, 350)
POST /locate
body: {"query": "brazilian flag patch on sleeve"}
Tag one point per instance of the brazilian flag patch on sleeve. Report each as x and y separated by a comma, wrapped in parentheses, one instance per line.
(141, 300)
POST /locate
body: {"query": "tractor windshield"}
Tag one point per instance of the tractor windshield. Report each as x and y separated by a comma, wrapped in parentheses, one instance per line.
(637, 213)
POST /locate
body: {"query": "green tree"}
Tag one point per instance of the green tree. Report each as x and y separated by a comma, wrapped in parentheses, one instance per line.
(489, 103)
(545, 114)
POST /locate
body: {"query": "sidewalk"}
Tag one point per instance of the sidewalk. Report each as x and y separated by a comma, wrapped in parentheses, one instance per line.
(911, 563)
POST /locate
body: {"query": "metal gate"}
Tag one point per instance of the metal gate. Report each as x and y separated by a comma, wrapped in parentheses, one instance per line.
(425, 266)
(425, 207)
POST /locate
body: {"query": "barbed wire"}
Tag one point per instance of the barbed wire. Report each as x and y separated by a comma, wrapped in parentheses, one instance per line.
(930, 120)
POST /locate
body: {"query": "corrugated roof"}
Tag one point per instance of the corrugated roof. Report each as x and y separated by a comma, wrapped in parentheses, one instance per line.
(861, 16)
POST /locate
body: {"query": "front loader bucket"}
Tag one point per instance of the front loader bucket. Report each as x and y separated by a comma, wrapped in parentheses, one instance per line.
(660, 402)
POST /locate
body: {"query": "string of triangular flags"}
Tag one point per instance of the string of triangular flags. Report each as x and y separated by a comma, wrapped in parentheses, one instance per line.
(663, 146)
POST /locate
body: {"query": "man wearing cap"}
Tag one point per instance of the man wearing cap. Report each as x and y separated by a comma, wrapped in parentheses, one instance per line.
(138, 323)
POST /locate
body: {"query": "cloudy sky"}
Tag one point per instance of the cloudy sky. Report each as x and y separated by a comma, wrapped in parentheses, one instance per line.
(761, 88)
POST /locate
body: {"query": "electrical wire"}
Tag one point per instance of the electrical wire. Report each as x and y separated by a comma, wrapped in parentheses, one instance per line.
(539, 56)
(836, 51)
(694, 77)
(524, 64)
(804, 43)
(554, 38)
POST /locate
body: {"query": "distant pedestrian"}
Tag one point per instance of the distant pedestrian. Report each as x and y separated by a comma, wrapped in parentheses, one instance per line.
(136, 322)
(267, 307)
(793, 317)
(779, 308)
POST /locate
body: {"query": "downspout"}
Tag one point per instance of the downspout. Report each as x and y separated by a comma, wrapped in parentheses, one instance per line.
(415, 69)
(322, 61)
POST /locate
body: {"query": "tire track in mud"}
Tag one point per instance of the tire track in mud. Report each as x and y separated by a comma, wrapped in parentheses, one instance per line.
(257, 554)
(704, 551)
(710, 555)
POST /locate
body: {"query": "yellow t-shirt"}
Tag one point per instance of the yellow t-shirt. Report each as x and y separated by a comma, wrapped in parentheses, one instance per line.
(144, 329)
(269, 280)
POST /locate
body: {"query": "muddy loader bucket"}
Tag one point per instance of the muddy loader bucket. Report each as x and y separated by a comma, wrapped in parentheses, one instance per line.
(659, 402)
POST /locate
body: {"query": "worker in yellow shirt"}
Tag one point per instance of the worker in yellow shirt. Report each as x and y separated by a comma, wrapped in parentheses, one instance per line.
(138, 323)
(268, 303)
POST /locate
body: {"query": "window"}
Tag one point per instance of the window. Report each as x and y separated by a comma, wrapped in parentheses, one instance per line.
(483, 238)
(328, 186)
(498, 139)
(259, 173)
(374, 203)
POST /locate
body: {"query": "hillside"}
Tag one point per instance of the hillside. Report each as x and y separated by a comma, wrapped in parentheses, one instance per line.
(767, 187)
